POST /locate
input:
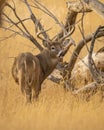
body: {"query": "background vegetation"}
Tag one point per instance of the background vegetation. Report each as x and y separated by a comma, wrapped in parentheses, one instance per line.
(56, 109)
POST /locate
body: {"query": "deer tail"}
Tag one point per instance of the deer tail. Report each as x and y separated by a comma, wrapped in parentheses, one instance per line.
(27, 75)
(30, 73)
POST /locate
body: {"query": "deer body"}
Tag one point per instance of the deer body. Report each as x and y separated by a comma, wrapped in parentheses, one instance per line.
(29, 70)
(48, 64)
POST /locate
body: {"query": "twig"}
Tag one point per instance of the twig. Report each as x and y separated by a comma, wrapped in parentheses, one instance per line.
(25, 33)
(20, 21)
(36, 21)
(97, 75)
(82, 25)
(17, 22)
(92, 85)
(14, 24)
(5, 38)
(46, 11)
(77, 50)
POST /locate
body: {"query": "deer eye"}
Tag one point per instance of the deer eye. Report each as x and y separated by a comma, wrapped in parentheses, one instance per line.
(52, 48)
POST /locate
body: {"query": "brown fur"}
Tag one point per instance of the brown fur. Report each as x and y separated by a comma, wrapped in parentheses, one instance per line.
(30, 71)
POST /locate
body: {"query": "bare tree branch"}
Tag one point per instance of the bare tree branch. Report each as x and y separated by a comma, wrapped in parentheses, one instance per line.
(16, 32)
(46, 11)
(97, 75)
(64, 28)
(77, 50)
(92, 85)
(5, 38)
(83, 36)
(78, 7)
(54, 79)
(82, 25)
(15, 13)
(89, 5)
(100, 50)
(23, 20)
(36, 21)
(25, 32)
(96, 6)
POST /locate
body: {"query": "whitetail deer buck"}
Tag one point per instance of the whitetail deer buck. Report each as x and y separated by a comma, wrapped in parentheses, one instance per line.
(28, 70)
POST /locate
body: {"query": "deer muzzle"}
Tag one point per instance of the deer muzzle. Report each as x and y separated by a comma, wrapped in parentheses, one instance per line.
(60, 54)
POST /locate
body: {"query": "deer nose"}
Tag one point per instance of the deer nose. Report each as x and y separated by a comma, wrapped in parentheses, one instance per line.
(60, 53)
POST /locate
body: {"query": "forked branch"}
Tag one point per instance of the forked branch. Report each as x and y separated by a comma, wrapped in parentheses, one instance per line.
(36, 21)
(66, 30)
(90, 86)
(41, 7)
(23, 31)
(97, 6)
(77, 50)
(97, 75)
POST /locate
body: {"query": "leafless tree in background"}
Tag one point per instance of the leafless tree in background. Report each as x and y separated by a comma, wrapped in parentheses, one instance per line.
(30, 71)
(74, 8)
(97, 75)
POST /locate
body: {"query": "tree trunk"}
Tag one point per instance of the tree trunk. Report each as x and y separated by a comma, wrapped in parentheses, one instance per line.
(96, 6)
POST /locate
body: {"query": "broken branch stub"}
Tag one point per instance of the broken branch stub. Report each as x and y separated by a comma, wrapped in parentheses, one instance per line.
(97, 6)
(78, 7)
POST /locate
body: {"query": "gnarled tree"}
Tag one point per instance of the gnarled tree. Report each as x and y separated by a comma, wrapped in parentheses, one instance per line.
(69, 70)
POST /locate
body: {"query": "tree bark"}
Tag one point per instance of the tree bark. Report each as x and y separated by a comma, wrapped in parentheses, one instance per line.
(87, 6)
(77, 51)
(96, 6)
(78, 7)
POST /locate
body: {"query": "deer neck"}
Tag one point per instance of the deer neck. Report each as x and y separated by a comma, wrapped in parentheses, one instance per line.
(47, 63)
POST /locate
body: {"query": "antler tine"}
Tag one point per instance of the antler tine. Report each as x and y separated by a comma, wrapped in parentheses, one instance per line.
(41, 32)
(68, 34)
(63, 29)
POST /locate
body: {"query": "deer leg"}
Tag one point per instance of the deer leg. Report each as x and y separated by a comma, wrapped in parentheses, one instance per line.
(28, 94)
(36, 91)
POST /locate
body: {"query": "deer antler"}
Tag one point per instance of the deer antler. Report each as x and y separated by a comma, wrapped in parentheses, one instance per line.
(65, 31)
(23, 30)
(68, 34)
(41, 33)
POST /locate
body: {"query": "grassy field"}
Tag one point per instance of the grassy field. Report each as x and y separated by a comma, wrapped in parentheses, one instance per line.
(56, 109)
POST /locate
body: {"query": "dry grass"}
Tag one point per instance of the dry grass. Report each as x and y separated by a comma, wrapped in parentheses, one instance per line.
(56, 110)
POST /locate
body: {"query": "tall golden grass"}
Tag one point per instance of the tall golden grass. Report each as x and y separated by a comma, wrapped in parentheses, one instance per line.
(56, 109)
